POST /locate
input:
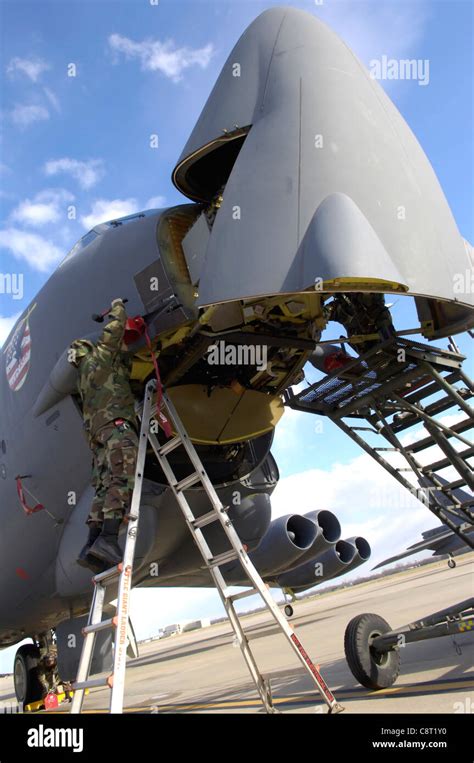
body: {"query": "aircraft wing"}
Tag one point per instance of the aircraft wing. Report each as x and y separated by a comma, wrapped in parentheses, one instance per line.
(436, 537)
(427, 544)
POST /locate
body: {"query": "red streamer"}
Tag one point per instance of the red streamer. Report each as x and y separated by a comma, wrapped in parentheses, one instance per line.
(21, 495)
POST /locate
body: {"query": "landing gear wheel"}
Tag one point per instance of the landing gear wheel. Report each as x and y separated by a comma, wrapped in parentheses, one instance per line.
(452, 563)
(27, 687)
(372, 669)
(288, 610)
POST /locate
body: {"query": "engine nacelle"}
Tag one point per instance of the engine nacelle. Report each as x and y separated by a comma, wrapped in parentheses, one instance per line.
(286, 539)
(345, 555)
(328, 532)
(362, 553)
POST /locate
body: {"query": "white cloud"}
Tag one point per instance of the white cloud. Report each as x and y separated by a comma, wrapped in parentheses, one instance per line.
(374, 29)
(52, 98)
(288, 431)
(87, 173)
(39, 252)
(6, 325)
(104, 210)
(152, 609)
(366, 499)
(35, 213)
(155, 202)
(24, 115)
(367, 502)
(32, 68)
(162, 56)
(44, 208)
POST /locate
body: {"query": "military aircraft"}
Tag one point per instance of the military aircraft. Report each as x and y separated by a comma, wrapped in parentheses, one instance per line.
(308, 197)
(440, 540)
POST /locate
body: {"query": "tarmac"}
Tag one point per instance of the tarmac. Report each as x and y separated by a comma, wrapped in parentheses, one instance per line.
(203, 671)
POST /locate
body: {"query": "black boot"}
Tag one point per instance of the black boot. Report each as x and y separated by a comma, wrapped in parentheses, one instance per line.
(84, 559)
(106, 546)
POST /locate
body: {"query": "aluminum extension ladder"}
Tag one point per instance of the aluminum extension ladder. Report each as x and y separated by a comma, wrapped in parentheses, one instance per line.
(389, 389)
(123, 573)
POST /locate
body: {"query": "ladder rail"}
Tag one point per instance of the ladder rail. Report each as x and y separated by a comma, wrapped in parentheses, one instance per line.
(438, 508)
(85, 661)
(440, 511)
(124, 572)
(249, 569)
(451, 391)
(246, 651)
(420, 413)
(123, 576)
(125, 580)
(455, 459)
(404, 374)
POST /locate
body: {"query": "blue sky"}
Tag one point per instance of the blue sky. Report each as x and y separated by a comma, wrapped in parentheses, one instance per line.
(145, 69)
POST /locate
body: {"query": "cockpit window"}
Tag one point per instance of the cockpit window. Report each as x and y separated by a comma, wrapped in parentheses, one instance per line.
(87, 239)
(100, 228)
(122, 220)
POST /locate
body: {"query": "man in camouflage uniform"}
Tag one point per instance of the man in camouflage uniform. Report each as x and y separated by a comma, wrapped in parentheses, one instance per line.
(48, 676)
(362, 313)
(47, 673)
(111, 427)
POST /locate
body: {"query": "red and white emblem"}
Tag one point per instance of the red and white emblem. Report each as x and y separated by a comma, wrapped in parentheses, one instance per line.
(18, 353)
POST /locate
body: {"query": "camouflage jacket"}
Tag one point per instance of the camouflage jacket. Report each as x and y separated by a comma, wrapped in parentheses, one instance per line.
(361, 313)
(48, 678)
(104, 377)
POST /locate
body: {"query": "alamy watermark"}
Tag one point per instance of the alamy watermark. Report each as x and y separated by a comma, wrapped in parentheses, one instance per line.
(12, 283)
(463, 283)
(222, 354)
(42, 736)
(417, 69)
(11, 707)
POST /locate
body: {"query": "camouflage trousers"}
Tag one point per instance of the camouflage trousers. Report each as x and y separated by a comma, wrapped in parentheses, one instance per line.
(114, 453)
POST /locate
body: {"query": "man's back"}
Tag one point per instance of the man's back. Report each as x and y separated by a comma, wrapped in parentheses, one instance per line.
(104, 379)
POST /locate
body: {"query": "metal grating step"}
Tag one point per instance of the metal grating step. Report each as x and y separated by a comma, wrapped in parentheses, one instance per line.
(386, 396)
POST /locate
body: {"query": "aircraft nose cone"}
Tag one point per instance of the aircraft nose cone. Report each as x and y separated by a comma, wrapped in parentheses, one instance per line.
(312, 159)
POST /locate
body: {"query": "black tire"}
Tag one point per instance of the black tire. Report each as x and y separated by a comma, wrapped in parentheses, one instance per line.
(288, 610)
(452, 563)
(372, 670)
(27, 687)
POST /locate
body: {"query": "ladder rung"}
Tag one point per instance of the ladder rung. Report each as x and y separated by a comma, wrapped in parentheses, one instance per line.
(92, 682)
(172, 444)
(188, 481)
(443, 463)
(432, 388)
(122, 573)
(395, 449)
(108, 575)
(206, 519)
(427, 442)
(110, 623)
(452, 485)
(227, 556)
(243, 594)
